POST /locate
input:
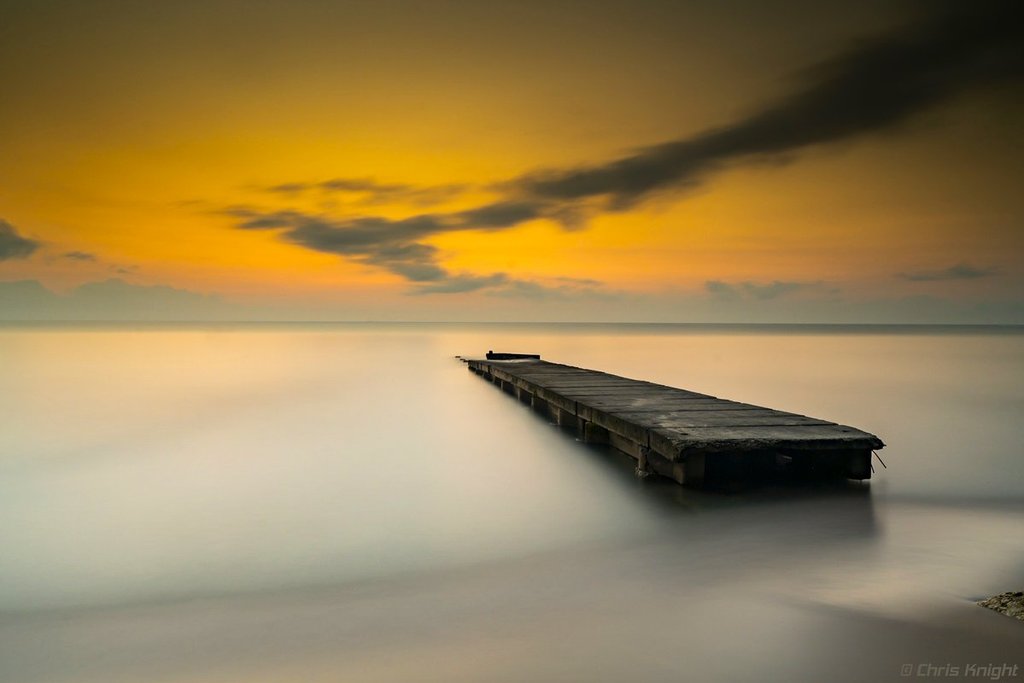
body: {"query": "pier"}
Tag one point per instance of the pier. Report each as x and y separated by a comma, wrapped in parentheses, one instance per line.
(696, 439)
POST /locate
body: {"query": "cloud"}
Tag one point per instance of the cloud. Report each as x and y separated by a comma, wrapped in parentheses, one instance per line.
(960, 271)
(721, 290)
(395, 244)
(578, 282)
(554, 288)
(112, 299)
(79, 256)
(368, 191)
(463, 283)
(267, 222)
(498, 215)
(753, 291)
(13, 245)
(876, 85)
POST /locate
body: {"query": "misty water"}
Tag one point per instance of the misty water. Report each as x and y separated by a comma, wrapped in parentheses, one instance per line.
(348, 503)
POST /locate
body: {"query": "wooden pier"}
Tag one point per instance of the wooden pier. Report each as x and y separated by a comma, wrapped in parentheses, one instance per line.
(695, 439)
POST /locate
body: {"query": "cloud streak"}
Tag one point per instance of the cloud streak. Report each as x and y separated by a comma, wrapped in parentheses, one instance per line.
(79, 256)
(397, 245)
(394, 244)
(960, 271)
(13, 245)
(757, 292)
(368, 191)
(875, 86)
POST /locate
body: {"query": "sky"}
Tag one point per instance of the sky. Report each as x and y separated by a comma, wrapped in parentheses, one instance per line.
(702, 161)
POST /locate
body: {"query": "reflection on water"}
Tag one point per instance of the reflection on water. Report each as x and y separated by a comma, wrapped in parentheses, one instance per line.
(348, 503)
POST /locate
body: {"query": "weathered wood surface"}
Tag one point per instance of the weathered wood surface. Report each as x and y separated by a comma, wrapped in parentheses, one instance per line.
(673, 425)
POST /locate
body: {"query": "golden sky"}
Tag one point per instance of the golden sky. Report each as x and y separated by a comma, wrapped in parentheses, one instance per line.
(518, 160)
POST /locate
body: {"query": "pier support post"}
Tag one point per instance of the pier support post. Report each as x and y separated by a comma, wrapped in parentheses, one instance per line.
(643, 467)
(539, 404)
(693, 469)
(564, 418)
(593, 433)
(859, 465)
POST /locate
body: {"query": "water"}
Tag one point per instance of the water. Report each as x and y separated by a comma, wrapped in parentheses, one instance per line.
(348, 503)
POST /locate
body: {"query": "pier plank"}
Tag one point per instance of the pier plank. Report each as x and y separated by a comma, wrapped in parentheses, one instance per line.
(754, 417)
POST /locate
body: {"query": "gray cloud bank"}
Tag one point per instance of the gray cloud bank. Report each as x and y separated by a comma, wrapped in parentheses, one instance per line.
(758, 292)
(114, 299)
(13, 245)
(746, 302)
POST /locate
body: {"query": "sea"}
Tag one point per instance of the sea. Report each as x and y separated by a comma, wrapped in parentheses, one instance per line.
(256, 503)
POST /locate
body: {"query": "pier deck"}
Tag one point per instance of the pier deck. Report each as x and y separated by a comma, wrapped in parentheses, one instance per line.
(693, 438)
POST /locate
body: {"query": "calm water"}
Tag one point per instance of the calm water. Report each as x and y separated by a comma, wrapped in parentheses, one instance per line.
(348, 503)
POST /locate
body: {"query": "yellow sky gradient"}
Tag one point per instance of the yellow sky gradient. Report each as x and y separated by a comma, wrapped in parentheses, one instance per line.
(133, 132)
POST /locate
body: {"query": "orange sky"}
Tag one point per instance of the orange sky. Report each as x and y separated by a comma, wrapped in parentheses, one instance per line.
(137, 140)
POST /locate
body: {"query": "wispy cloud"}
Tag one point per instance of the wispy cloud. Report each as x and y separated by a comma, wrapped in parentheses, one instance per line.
(397, 244)
(13, 245)
(555, 288)
(457, 284)
(79, 256)
(393, 244)
(368, 191)
(747, 290)
(960, 271)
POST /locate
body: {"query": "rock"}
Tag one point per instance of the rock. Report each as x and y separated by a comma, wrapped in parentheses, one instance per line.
(1011, 604)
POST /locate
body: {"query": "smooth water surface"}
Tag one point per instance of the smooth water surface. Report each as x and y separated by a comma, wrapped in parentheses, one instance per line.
(348, 503)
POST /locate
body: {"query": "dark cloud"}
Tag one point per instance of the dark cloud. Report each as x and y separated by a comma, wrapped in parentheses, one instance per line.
(757, 292)
(79, 256)
(267, 222)
(458, 284)
(877, 85)
(367, 191)
(396, 244)
(365, 236)
(499, 215)
(960, 271)
(371, 235)
(13, 245)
